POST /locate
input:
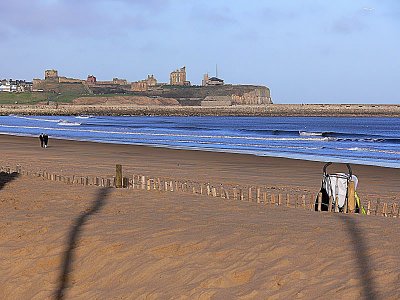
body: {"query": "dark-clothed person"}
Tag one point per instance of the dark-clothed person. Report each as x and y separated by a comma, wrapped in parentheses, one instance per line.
(41, 140)
(45, 140)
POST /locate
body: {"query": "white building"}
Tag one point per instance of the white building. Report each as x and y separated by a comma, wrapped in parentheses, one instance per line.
(5, 86)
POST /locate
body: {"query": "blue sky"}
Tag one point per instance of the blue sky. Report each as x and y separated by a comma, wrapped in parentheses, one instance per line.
(306, 51)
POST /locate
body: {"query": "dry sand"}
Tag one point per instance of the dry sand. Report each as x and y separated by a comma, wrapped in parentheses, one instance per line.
(88, 242)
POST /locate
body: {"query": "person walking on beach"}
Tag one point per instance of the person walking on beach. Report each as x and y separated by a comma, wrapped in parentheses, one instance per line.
(41, 140)
(45, 140)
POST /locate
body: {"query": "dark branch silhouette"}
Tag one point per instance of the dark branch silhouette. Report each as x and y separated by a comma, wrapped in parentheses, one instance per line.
(6, 178)
(360, 252)
(73, 240)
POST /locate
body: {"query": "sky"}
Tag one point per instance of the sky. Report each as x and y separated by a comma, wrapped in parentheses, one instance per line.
(305, 51)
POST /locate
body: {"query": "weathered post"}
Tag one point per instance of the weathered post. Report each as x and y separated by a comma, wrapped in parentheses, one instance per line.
(287, 200)
(273, 199)
(384, 209)
(351, 197)
(303, 198)
(166, 185)
(319, 201)
(337, 203)
(394, 210)
(369, 208)
(330, 203)
(279, 199)
(258, 195)
(118, 176)
(148, 184)
(250, 195)
(159, 184)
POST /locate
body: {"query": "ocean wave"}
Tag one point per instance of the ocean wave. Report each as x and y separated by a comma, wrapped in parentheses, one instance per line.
(362, 149)
(68, 123)
(37, 119)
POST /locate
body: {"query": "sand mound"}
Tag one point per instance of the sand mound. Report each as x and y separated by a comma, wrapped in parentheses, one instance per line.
(93, 243)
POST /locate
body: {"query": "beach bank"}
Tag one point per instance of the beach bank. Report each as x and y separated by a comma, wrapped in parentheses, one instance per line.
(90, 242)
(338, 110)
(98, 159)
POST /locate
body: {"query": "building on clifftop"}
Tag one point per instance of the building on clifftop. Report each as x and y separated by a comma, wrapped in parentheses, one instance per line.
(91, 79)
(143, 85)
(213, 81)
(178, 77)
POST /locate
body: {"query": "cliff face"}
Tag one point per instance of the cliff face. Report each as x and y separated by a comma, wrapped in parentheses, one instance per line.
(224, 95)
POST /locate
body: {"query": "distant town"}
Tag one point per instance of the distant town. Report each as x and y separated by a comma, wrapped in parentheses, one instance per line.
(177, 78)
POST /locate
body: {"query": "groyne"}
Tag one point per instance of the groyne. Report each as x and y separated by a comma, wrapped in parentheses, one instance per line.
(343, 110)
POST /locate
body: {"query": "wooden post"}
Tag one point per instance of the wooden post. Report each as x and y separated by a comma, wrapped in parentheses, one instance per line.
(394, 210)
(159, 184)
(214, 192)
(330, 203)
(222, 192)
(287, 200)
(258, 195)
(208, 189)
(377, 207)
(384, 209)
(165, 185)
(279, 199)
(201, 189)
(369, 208)
(234, 193)
(351, 197)
(148, 184)
(265, 197)
(319, 201)
(118, 176)
(241, 194)
(227, 194)
(273, 199)
(303, 198)
(345, 207)
(337, 203)
(250, 194)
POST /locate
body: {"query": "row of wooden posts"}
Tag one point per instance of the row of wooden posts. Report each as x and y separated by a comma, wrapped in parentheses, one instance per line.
(261, 195)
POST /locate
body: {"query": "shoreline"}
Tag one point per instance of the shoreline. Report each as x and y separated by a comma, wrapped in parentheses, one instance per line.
(318, 159)
(269, 110)
(99, 159)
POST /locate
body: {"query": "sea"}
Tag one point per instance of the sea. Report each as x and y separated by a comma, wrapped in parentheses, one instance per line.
(361, 140)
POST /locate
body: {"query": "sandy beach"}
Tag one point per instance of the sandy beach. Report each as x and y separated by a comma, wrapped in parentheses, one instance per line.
(62, 241)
